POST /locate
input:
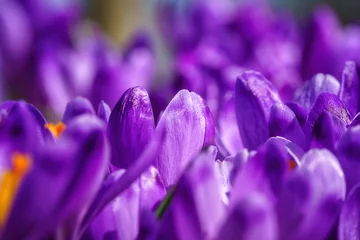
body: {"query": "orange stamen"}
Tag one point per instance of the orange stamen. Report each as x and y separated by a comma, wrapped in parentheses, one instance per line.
(10, 182)
(56, 129)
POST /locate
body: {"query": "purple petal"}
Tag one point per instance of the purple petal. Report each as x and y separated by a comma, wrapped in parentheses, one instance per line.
(238, 161)
(120, 218)
(254, 96)
(126, 212)
(300, 112)
(189, 127)
(284, 123)
(115, 184)
(197, 191)
(264, 172)
(311, 198)
(148, 226)
(327, 102)
(45, 183)
(327, 131)
(320, 83)
(104, 111)
(326, 168)
(22, 128)
(228, 129)
(251, 218)
(77, 107)
(42, 133)
(131, 127)
(152, 188)
(294, 151)
(349, 156)
(349, 92)
(293, 205)
(349, 217)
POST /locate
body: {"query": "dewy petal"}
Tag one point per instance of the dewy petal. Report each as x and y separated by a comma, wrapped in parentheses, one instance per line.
(254, 97)
(251, 218)
(197, 191)
(264, 172)
(349, 91)
(320, 83)
(189, 127)
(104, 111)
(349, 225)
(284, 123)
(77, 107)
(115, 184)
(348, 153)
(131, 127)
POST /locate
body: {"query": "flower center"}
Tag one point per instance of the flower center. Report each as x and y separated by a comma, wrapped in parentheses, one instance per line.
(56, 129)
(10, 181)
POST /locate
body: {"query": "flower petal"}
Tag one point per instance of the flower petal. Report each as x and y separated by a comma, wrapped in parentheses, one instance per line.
(254, 96)
(189, 126)
(349, 218)
(131, 127)
(327, 131)
(104, 111)
(197, 191)
(349, 92)
(252, 218)
(115, 184)
(320, 83)
(326, 102)
(77, 107)
(152, 188)
(228, 129)
(60, 177)
(120, 218)
(22, 125)
(348, 152)
(312, 195)
(300, 112)
(284, 123)
(264, 172)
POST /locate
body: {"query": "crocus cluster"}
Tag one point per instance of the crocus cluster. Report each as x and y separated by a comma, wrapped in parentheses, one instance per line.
(256, 137)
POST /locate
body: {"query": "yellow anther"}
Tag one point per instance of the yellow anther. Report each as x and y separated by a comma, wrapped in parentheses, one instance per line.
(56, 129)
(10, 181)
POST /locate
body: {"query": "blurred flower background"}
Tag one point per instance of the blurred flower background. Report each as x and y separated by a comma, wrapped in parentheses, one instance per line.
(43, 41)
